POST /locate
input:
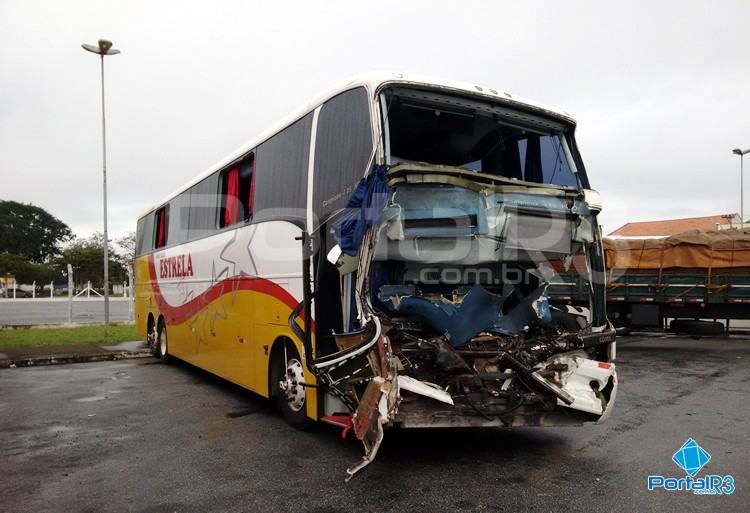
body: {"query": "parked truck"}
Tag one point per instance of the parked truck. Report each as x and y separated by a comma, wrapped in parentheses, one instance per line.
(695, 282)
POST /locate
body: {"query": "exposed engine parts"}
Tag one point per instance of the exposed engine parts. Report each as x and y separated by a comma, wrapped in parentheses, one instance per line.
(446, 320)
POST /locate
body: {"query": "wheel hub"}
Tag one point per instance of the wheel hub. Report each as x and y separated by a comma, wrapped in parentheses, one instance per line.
(291, 385)
(163, 343)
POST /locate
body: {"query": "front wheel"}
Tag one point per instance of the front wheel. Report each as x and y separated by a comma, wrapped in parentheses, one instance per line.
(287, 378)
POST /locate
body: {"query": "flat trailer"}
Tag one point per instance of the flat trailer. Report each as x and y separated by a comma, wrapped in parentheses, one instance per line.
(686, 278)
(647, 300)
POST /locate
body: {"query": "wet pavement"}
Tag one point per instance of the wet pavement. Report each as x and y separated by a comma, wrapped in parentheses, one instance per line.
(140, 435)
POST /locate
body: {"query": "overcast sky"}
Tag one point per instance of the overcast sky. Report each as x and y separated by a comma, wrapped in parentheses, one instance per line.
(661, 90)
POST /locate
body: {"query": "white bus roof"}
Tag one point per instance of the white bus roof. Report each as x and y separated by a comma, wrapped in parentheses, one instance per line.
(372, 81)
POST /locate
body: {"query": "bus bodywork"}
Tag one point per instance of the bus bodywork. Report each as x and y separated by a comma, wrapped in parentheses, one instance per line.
(404, 282)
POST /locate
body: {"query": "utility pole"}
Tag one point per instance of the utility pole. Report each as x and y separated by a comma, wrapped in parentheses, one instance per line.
(70, 294)
(103, 48)
(742, 154)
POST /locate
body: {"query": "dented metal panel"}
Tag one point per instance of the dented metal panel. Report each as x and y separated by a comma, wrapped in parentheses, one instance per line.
(449, 323)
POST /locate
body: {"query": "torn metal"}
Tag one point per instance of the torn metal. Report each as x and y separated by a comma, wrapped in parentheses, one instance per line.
(446, 320)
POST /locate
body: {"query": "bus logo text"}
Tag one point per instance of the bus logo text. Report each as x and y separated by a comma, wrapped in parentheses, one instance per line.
(176, 267)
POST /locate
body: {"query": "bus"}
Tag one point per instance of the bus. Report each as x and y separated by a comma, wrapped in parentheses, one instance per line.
(381, 258)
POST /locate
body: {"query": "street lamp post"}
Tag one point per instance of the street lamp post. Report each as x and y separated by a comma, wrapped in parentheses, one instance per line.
(103, 48)
(742, 154)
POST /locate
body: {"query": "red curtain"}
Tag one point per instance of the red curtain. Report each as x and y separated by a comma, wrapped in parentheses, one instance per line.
(161, 233)
(251, 195)
(231, 212)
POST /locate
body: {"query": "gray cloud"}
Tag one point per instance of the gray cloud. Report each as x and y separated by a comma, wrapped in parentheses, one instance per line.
(659, 89)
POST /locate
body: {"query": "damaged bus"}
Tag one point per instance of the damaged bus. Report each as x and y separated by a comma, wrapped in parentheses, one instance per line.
(381, 258)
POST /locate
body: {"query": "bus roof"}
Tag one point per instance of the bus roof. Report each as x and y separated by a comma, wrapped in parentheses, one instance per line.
(372, 81)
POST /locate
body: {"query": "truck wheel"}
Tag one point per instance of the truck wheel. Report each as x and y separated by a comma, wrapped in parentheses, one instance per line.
(697, 327)
(623, 331)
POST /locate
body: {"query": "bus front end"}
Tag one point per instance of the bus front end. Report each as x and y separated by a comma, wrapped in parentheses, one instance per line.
(446, 257)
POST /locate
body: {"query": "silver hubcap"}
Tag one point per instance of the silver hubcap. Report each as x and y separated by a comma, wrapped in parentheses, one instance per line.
(291, 385)
(163, 342)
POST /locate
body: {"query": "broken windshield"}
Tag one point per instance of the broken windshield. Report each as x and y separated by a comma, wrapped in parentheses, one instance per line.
(429, 127)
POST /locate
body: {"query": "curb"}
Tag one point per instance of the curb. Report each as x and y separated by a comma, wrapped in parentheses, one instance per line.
(74, 358)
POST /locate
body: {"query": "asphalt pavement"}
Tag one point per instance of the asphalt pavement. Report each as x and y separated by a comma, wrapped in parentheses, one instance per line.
(24, 312)
(144, 436)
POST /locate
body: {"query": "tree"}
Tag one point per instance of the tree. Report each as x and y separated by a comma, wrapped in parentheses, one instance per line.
(27, 272)
(31, 231)
(87, 258)
(127, 244)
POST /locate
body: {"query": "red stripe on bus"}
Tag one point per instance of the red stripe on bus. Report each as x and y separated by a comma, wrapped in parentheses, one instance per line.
(181, 313)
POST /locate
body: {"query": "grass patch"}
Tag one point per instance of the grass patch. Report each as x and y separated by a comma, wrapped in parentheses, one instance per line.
(63, 336)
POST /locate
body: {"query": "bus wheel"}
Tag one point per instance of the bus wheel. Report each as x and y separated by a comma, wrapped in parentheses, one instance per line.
(287, 379)
(161, 346)
(151, 337)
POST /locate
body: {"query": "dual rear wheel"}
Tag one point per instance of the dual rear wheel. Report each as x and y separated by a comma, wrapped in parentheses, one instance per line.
(158, 340)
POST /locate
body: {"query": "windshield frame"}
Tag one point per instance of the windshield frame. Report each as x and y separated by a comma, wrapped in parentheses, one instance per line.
(546, 122)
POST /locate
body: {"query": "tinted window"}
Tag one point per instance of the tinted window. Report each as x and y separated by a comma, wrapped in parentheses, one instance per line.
(161, 228)
(237, 193)
(179, 218)
(203, 207)
(343, 146)
(144, 232)
(281, 173)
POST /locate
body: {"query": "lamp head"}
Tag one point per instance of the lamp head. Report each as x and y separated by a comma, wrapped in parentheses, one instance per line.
(104, 46)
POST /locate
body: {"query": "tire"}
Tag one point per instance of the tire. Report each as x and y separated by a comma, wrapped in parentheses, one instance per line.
(151, 336)
(565, 321)
(623, 331)
(697, 327)
(161, 347)
(285, 376)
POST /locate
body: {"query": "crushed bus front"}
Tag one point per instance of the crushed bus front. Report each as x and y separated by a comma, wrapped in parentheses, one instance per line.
(458, 330)
(442, 261)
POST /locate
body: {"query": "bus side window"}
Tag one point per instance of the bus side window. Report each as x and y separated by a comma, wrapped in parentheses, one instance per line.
(230, 190)
(247, 185)
(343, 147)
(161, 225)
(238, 189)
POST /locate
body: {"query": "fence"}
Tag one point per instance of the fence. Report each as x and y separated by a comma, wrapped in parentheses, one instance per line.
(47, 309)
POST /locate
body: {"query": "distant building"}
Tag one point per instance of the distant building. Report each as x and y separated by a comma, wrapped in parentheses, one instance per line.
(669, 227)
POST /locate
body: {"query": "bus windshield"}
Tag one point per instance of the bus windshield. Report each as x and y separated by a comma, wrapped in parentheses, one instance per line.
(434, 128)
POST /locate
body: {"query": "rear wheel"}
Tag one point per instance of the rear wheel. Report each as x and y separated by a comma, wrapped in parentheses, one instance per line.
(162, 345)
(151, 337)
(287, 377)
